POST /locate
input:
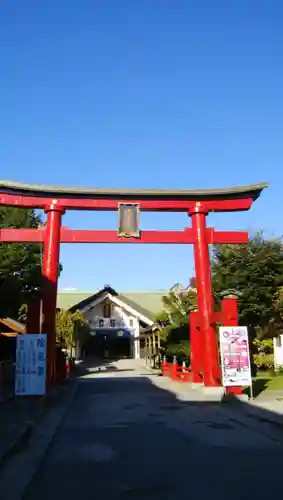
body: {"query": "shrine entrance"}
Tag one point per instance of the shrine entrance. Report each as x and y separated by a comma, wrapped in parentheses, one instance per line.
(129, 204)
(108, 345)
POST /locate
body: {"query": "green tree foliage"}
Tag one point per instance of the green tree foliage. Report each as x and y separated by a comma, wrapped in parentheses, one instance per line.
(22, 315)
(256, 271)
(263, 356)
(174, 322)
(20, 264)
(71, 327)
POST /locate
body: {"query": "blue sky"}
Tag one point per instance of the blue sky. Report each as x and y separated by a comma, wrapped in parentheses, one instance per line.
(143, 93)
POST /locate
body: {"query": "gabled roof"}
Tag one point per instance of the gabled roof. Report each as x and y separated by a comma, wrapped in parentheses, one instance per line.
(148, 304)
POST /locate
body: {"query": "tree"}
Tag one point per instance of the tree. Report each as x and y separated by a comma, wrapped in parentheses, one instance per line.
(173, 322)
(71, 327)
(263, 356)
(254, 270)
(20, 263)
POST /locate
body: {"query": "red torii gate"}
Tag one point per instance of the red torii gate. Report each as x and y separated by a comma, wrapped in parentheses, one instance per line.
(55, 201)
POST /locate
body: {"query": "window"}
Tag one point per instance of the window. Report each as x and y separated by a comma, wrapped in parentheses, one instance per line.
(101, 323)
(107, 310)
(131, 322)
(112, 323)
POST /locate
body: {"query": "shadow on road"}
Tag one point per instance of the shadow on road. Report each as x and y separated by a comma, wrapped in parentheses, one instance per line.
(259, 385)
(91, 366)
(124, 437)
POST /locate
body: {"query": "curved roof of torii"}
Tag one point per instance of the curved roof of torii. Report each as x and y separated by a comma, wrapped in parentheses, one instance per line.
(250, 191)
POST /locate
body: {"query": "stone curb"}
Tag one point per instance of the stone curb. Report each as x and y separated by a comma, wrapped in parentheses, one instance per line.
(244, 414)
(150, 370)
(24, 433)
(22, 436)
(39, 443)
(26, 430)
(248, 419)
(261, 413)
(247, 407)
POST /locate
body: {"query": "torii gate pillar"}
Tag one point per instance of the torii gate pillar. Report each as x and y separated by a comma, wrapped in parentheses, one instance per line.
(50, 272)
(205, 297)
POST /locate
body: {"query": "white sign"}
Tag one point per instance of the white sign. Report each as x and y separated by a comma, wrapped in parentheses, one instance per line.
(30, 365)
(235, 356)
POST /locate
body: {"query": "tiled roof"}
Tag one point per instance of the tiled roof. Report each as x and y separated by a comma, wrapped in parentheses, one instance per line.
(147, 303)
(66, 300)
(253, 191)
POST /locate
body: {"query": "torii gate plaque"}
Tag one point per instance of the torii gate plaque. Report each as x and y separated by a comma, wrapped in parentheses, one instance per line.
(55, 201)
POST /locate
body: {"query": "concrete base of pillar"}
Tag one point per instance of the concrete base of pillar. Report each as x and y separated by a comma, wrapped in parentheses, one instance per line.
(197, 385)
(213, 393)
(243, 397)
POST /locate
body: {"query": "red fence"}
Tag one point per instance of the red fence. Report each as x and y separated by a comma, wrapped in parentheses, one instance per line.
(176, 372)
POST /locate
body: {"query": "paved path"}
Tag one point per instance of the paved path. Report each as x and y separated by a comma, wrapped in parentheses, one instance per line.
(124, 437)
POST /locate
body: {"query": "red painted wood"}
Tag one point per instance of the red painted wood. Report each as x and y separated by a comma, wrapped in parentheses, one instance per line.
(216, 317)
(205, 298)
(199, 235)
(112, 205)
(229, 237)
(109, 236)
(50, 273)
(229, 311)
(196, 349)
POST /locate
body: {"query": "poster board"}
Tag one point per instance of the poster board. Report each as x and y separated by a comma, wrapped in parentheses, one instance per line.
(30, 365)
(235, 356)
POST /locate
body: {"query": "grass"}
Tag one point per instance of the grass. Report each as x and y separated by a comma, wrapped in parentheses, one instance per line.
(275, 384)
(266, 382)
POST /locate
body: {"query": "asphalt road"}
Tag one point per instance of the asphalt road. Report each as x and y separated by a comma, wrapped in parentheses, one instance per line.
(125, 438)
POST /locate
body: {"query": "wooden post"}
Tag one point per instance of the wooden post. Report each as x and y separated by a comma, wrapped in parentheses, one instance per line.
(145, 347)
(149, 349)
(153, 350)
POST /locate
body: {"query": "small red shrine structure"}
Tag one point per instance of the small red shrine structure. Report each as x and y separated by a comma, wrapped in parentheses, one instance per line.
(196, 203)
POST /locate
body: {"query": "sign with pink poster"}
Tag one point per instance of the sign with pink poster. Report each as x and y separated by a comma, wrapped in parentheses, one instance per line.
(235, 356)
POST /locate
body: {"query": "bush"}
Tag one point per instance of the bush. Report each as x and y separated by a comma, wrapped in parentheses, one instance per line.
(278, 370)
(264, 361)
(180, 350)
(70, 327)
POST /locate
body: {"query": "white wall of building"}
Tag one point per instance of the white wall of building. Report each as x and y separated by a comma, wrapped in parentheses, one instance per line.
(123, 319)
(278, 351)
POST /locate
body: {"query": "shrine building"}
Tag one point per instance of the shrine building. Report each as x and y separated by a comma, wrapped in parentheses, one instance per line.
(116, 320)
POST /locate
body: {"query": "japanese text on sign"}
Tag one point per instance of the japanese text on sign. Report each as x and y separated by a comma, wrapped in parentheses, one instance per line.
(30, 365)
(235, 356)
